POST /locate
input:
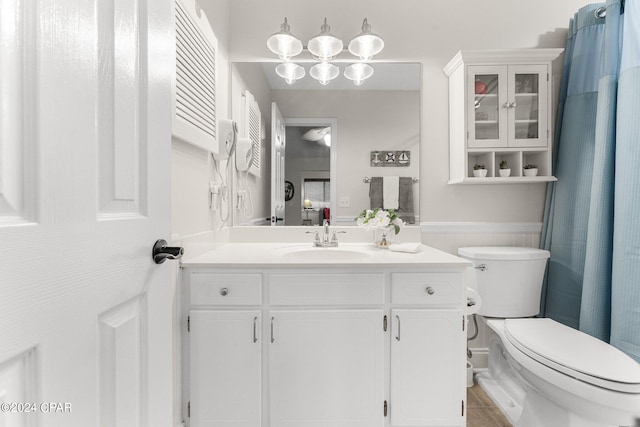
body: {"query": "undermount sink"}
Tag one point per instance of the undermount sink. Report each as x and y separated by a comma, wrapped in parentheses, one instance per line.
(320, 254)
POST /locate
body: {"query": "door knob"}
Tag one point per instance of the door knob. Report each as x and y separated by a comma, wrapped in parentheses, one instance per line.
(161, 252)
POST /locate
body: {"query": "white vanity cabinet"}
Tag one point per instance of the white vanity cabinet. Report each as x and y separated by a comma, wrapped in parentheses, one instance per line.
(500, 109)
(371, 346)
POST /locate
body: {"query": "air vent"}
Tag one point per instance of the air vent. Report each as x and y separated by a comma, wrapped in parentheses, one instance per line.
(254, 133)
(195, 91)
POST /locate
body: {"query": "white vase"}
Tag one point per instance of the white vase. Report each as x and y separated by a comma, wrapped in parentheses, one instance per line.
(531, 172)
(505, 172)
(479, 173)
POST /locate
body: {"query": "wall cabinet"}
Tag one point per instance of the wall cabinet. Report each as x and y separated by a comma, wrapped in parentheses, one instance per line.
(370, 347)
(500, 110)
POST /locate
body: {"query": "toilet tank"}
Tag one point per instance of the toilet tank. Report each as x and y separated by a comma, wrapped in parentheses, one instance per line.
(508, 279)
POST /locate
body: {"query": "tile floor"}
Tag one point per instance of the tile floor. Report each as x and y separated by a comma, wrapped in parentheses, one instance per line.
(481, 411)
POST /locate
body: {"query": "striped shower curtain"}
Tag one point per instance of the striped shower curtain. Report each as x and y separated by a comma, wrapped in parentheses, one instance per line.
(592, 215)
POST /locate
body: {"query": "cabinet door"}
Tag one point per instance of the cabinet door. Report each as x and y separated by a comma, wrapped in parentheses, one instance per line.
(225, 368)
(528, 105)
(486, 106)
(427, 363)
(326, 368)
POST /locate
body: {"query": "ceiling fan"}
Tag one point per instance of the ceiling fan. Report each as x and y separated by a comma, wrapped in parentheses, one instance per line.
(321, 135)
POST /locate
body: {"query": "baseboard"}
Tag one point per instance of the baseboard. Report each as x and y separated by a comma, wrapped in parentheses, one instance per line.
(479, 358)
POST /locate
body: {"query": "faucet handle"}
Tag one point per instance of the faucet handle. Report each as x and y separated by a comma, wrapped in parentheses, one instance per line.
(334, 238)
(316, 237)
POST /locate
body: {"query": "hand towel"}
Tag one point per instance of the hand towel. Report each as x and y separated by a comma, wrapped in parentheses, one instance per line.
(390, 192)
(405, 247)
(375, 192)
(405, 201)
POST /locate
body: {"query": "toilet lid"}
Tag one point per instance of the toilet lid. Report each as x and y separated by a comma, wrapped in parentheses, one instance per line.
(574, 353)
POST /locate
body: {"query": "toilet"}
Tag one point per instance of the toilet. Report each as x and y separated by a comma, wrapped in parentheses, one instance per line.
(542, 373)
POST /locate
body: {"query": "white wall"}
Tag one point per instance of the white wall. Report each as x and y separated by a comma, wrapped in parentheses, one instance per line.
(192, 168)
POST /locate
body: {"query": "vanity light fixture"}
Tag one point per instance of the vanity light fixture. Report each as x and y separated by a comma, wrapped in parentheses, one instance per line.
(366, 44)
(290, 72)
(358, 72)
(324, 72)
(283, 43)
(324, 48)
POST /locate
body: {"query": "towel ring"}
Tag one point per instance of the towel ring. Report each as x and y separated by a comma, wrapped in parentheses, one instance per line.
(600, 12)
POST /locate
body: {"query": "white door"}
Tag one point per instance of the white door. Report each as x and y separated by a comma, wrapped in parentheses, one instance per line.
(326, 368)
(427, 362)
(278, 144)
(85, 314)
(225, 368)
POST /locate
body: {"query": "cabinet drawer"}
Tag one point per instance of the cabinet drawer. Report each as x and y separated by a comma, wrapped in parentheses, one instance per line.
(426, 288)
(326, 289)
(226, 289)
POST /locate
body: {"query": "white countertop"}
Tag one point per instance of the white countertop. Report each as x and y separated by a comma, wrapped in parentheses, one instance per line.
(249, 255)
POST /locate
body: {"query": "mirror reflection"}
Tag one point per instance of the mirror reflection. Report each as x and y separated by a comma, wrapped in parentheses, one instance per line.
(321, 145)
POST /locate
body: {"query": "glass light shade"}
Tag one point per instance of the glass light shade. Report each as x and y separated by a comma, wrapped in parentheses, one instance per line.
(290, 72)
(358, 72)
(366, 44)
(325, 46)
(324, 72)
(284, 44)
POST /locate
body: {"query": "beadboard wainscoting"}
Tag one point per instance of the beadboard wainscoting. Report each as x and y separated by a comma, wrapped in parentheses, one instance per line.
(449, 236)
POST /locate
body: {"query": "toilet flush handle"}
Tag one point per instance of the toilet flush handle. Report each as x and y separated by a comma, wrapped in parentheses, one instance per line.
(481, 267)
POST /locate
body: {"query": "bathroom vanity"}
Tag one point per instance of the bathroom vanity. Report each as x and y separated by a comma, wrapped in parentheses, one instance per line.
(286, 335)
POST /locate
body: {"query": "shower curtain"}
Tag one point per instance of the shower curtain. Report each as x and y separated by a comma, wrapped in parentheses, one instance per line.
(592, 213)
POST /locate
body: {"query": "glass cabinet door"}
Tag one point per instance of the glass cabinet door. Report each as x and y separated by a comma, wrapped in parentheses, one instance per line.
(486, 94)
(527, 106)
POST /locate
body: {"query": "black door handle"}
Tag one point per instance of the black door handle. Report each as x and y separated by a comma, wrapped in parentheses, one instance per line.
(161, 252)
(274, 219)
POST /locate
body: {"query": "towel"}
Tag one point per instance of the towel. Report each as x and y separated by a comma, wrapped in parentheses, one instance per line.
(375, 192)
(405, 247)
(405, 199)
(390, 192)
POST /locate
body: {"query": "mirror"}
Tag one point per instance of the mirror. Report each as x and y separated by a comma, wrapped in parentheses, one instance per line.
(373, 131)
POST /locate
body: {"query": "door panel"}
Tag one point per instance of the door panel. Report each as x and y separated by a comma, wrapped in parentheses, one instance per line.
(278, 144)
(326, 368)
(528, 88)
(225, 368)
(427, 362)
(84, 194)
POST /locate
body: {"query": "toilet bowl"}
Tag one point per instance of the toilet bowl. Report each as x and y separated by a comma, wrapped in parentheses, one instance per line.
(542, 373)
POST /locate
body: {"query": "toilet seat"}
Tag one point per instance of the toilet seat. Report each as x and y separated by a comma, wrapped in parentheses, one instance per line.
(574, 353)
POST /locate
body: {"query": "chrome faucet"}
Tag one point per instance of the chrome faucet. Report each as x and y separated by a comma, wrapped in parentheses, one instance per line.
(325, 242)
